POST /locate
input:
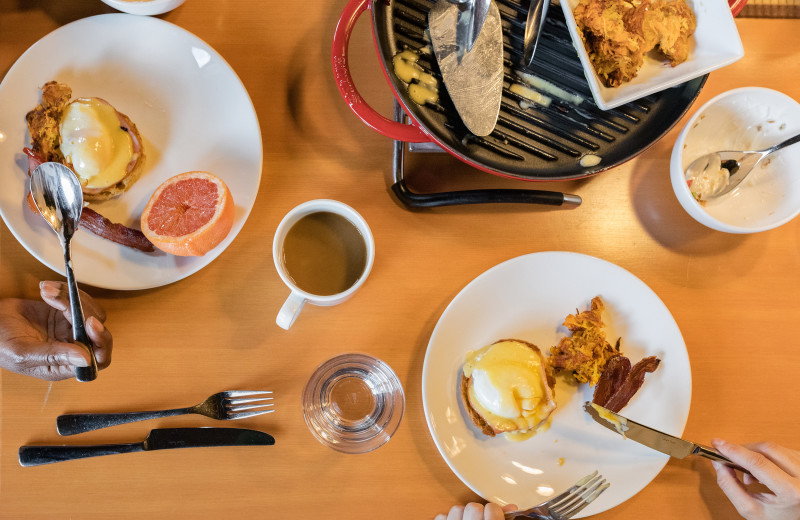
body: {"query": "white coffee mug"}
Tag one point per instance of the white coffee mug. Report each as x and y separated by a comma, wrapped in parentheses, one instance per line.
(298, 298)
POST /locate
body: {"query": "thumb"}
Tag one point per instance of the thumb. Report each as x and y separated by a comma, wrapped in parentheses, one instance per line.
(65, 354)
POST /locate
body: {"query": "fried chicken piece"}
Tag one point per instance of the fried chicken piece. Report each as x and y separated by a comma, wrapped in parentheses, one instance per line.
(618, 33)
(665, 24)
(614, 52)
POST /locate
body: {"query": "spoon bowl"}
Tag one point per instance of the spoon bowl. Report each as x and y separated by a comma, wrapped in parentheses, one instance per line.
(59, 198)
(716, 174)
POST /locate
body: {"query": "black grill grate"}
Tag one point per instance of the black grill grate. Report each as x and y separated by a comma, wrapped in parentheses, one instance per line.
(544, 143)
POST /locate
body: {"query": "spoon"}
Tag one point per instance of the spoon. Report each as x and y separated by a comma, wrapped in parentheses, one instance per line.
(708, 170)
(57, 193)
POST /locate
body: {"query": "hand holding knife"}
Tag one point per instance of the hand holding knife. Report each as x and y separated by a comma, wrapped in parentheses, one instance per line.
(659, 441)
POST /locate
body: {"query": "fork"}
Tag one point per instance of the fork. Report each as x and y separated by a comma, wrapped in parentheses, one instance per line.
(567, 504)
(233, 404)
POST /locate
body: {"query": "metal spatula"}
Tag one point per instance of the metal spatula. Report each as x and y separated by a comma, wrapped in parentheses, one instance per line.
(475, 81)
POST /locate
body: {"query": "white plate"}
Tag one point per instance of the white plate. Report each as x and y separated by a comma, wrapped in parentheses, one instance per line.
(528, 298)
(716, 44)
(190, 107)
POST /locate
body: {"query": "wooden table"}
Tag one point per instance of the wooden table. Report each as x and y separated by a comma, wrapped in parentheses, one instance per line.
(734, 298)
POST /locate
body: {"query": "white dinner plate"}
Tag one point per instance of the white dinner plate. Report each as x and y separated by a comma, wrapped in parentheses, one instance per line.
(189, 106)
(528, 298)
(716, 43)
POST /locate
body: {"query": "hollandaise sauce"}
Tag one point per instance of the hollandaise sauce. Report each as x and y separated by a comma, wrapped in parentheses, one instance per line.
(93, 141)
(422, 87)
(508, 388)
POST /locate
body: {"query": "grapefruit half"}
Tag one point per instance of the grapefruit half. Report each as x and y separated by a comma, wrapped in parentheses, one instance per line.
(189, 214)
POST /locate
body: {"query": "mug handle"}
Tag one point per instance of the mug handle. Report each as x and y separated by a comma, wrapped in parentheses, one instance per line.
(344, 81)
(290, 310)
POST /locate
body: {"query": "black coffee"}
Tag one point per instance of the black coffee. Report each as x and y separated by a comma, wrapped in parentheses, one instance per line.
(324, 253)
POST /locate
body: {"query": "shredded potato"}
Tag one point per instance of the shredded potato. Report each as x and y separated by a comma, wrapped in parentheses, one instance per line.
(586, 352)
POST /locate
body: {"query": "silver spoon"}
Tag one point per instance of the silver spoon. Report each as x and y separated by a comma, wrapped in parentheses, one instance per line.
(57, 193)
(738, 165)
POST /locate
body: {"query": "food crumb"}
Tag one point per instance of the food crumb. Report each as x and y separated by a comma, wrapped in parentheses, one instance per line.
(561, 461)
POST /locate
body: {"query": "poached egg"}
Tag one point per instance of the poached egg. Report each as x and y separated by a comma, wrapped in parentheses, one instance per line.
(94, 141)
(508, 387)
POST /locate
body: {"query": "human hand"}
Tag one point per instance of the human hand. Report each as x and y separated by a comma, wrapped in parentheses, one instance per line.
(36, 336)
(774, 466)
(475, 511)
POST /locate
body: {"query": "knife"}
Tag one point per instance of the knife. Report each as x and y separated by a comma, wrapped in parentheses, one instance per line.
(474, 80)
(158, 439)
(659, 441)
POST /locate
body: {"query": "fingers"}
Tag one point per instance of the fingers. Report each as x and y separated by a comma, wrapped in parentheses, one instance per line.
(56, 294)
(473, 511)
(102, 341)
(735, 490)
(756, 463)
(492, 511)
(786, 459)
(476, 511)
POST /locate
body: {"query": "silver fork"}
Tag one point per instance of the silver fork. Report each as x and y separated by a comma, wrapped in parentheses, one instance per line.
(567, 504)
(234, 404)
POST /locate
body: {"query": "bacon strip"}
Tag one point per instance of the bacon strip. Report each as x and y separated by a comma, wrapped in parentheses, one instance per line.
(94, 221)
(632, 383)
(102, 227)
(614, 374)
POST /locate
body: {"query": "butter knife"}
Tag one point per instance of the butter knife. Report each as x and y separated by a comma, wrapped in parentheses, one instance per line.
(659, 441)
(158, 439)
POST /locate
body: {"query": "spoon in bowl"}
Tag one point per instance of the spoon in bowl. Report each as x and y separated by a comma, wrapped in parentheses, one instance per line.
(57, 193)
(715, 174)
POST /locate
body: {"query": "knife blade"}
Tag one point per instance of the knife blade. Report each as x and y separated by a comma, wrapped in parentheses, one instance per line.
(475, 80)
(158, 439)
(654, 439)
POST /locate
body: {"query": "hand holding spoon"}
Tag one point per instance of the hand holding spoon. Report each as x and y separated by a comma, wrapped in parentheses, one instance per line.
(718, 173)
(57, 193)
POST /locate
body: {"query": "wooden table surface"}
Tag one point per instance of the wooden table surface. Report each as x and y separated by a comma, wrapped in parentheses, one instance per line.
(734, 298)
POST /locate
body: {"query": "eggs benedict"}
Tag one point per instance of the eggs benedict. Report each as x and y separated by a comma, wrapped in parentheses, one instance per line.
(100, 144)
(506, 389)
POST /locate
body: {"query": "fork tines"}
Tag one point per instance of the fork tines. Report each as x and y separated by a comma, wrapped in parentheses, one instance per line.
(578, 496)
(237, 403)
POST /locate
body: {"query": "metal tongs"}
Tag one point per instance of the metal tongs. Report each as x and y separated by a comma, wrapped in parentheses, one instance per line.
(471, 15)
(536, 15)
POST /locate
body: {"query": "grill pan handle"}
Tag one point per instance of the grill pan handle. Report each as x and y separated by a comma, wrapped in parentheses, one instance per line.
(344, 80)
(457, 198)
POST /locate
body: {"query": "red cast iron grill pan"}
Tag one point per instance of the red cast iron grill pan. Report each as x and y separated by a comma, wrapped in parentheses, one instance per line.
(536, 144)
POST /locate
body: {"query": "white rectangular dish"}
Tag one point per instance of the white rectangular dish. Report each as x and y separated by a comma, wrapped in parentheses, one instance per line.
(716, 43)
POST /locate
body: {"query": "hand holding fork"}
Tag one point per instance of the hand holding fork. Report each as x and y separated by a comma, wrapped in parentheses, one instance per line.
(234, 404)
(567, 504)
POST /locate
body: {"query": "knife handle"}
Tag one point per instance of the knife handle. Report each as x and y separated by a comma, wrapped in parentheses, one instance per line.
(70, 424)
(38, 455)
(710, 453)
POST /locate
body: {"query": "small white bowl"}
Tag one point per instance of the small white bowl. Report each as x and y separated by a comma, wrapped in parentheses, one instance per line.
(144, 7)
(749, 118)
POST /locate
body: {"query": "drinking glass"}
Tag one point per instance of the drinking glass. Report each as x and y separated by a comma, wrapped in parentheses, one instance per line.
(353, 403)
